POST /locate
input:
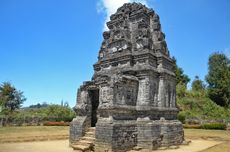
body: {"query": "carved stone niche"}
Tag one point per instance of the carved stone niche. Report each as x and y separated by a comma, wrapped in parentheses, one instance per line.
(117, 24)
(151, 12)
(113, 17)
(156, 18)
(159, 36)
(101, 79)
(142, 25)
(137, 10)
(106, 35)
(110, 25)
(116, 16)
(143, 43)
(156, 26)
(120, 34)
(118, 46)
(161, 46)
(140, 17)
(142, 33)
(125, 92)
(143, 39)
(101, 54)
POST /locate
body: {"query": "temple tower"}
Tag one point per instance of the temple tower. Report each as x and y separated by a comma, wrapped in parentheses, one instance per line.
(131, 98)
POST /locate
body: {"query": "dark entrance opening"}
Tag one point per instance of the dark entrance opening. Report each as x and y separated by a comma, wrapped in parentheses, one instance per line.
(94, 97)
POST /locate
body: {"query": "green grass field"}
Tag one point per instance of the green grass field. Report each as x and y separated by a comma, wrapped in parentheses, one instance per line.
(33, 133)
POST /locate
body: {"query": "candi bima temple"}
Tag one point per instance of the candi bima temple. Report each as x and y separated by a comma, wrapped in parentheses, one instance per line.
(131, 99)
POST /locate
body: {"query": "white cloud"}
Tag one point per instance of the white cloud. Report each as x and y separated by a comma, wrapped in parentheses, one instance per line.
(109, 7)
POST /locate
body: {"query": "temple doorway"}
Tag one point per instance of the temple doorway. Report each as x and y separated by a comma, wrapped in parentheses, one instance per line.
(94, 98)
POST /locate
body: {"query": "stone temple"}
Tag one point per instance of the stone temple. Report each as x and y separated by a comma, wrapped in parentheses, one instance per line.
(131, 99)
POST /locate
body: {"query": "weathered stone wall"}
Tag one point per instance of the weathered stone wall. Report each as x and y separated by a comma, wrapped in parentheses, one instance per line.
(160, 133)
(172, 132)
(105, 97)
(148, 135)
(124, 135)
(104, 132)
(125, 92)
(147, 91)
(118, 136)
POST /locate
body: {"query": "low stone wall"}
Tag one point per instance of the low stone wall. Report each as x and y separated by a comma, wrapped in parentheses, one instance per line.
(78, 128)
(171, 132)
(120, 136)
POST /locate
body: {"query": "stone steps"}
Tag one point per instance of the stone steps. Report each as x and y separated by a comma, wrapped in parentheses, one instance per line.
(86, 143)
(88, 138)
(83, 148)
(138, 149)
(90, 134)
(92, 129)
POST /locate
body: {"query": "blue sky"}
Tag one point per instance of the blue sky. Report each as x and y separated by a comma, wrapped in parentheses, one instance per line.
(48, 47)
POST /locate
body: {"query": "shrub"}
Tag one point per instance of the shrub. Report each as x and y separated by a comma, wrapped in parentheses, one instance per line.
(202, 108)
(37, 116)
(217, 126)
(192, 121)
(181, 90)
(181, 117)
(192, 126)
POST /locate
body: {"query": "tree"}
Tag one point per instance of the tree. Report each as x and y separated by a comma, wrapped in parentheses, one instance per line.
(38, 105)
(66, 104)
(197, 84)
(179, 72)
(10, 97)
(60, 113)
(181, 90)
(218, 79)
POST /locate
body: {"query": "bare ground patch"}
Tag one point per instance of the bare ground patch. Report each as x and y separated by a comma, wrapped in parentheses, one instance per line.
(38, 146)
(33, 133)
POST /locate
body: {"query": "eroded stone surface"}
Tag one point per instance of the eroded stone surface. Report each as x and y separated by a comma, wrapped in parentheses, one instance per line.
(136, 83)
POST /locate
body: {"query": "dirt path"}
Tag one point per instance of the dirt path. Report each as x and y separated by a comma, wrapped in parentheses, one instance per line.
(62, 146)
(223, 147)
(194, 146)
(41, 146)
